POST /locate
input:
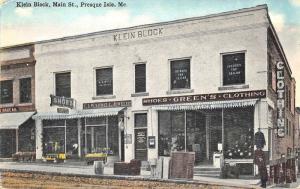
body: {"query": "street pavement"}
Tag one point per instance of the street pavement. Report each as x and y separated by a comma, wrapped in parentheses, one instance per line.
(82, 169)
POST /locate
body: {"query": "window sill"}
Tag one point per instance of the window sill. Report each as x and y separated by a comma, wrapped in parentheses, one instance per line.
(140, 94)
(7, 105)
(180, 91)
(25, 104)
(230, 87)
(104, 97)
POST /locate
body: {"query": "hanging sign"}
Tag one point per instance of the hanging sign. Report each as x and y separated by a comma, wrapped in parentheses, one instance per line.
(62, 101)
(280, 99)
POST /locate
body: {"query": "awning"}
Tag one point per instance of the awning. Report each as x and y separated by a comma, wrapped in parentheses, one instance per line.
(14, 120)
(79, 114)
(206, 105)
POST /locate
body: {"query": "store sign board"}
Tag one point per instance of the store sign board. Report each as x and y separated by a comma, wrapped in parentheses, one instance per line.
(62, 101)
(111, 104)
(205, 97)
(63, 110)
(9, 109)
(280, 85)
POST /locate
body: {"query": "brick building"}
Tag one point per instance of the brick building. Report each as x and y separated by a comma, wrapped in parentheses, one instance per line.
(17, 100)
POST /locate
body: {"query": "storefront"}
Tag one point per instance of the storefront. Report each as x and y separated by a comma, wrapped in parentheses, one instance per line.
(209, 125)
(16, 133)
(80, 132)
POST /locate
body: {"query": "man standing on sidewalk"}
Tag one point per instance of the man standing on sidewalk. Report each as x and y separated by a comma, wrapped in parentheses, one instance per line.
(260, 159)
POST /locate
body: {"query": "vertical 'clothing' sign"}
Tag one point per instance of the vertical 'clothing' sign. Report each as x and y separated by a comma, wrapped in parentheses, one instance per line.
(233, 69)
(180, 74)
(104, 81)
(280, 99)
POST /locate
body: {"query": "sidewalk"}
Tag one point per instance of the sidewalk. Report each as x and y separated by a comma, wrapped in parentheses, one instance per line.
(79, 168)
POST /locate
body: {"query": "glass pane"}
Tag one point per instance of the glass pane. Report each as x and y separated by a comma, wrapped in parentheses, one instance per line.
(140, 78)
(180, 74)
(54, 140)
(96, 121)
(63, 84)
(238, 133)
(165, 137)
(104, 81)
(97, 139)
(196, 134)
(113, 135)
(59, 122)
(178, 134)
(234, 69)
(6, 92)
(140, 120)
(72, 137)
(25, 90)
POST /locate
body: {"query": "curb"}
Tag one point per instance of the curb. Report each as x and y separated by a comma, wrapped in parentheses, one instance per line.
(131, 178)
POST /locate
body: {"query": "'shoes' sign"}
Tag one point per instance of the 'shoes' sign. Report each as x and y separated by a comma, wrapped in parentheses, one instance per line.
(61, 101)
(280, 99)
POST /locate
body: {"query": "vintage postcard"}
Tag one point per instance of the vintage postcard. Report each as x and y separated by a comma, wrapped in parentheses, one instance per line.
(149, 94)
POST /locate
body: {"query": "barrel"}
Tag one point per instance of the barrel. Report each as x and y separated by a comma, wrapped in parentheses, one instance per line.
(98, 167)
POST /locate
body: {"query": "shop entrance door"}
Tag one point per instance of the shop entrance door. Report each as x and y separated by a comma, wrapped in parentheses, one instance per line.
(140, 136)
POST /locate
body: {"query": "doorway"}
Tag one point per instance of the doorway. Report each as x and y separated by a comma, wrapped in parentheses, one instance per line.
(140, 136)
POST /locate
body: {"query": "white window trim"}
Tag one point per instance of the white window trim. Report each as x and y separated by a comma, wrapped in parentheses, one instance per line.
(233, 86)
(106, 96)
(183, 90)
(54, 81)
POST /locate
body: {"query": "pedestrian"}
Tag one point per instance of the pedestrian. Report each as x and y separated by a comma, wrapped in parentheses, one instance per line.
(260, 161)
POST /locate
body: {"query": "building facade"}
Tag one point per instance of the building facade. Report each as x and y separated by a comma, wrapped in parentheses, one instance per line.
(204, 84)
(17, 101)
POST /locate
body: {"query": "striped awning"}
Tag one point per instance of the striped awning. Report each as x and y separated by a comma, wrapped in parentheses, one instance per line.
(14, 120)
(206, 105)
(88, 113)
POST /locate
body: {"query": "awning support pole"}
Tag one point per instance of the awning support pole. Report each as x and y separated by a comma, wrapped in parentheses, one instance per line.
(17, 140)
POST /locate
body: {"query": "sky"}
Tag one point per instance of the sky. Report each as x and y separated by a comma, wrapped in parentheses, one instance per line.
(28, 24)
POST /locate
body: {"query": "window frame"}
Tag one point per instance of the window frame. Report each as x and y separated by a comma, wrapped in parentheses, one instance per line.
(30, 102)
(95, 81)
(12, 92)
(63, 72)
(222, 70)
(189, 89)
(134, 77)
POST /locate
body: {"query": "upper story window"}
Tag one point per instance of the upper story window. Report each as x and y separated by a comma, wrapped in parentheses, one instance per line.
(233, 69)
(104, 81)
(63, 84)
(180, 74)
(140, 78)
(6, 92)
(25, 90)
